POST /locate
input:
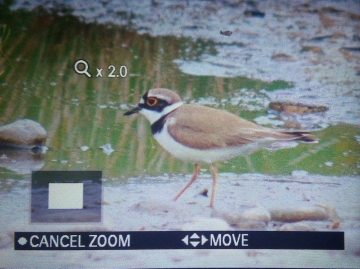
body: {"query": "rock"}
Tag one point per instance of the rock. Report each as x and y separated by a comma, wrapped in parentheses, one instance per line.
(291, 107)
(353, 49)
(254, 13)
(204, 192)
(332, 214)
(354, 16)
(314, 49)
(23, 133)
(333, 36)
(107, 148)
(283, 57)
(332, 9)
(326, 20)
(349, 52)
(250, 218)
(320, 38)
(84, 148)
(317, 212)
(226, 33)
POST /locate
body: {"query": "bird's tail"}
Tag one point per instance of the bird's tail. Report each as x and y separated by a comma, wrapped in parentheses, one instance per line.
(304, 136)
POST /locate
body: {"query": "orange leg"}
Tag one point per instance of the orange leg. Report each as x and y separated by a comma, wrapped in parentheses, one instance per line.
(214, 173)
(194, 177)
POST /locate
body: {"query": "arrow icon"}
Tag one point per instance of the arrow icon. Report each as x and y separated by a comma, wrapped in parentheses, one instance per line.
(194, 240)
(186, 240)
(194, 235)
(203, 240)
(194, 243)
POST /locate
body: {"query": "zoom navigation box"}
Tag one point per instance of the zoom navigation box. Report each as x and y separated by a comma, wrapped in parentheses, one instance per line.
(66, 196)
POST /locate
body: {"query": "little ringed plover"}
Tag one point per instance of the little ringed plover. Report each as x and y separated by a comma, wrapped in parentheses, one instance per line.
(200, 134)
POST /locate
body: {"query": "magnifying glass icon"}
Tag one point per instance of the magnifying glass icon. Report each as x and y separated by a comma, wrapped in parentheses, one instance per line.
(84, 70)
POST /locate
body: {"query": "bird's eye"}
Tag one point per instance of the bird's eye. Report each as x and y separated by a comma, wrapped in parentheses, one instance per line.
(151, 101)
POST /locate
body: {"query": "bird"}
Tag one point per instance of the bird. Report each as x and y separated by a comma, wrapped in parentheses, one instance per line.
(205, 135)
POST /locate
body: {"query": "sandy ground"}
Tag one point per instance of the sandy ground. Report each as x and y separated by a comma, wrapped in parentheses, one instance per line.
(148, 206)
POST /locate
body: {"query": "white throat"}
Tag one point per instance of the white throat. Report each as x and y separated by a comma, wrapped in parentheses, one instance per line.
(153, 115)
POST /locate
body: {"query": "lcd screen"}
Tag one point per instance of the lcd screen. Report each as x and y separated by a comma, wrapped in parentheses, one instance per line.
(142, 134)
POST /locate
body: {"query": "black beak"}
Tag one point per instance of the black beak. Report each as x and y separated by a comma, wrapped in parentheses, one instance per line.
(132, 111)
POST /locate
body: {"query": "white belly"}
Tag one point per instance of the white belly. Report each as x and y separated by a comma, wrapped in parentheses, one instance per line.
(201, 155)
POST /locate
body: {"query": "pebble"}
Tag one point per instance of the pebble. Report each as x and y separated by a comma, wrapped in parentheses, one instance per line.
(314, 49)
(22, 133)
(254, 13)
(283, 57)
(226, 33)
(291, 107)
(84, 148)
(107, 148)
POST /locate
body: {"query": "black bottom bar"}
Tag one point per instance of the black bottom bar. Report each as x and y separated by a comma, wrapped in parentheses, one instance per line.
(178, 240)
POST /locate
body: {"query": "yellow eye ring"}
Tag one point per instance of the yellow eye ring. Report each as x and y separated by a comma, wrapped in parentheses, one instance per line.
(151, 101)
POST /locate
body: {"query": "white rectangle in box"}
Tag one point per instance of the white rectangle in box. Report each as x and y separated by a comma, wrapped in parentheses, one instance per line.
(66, 195)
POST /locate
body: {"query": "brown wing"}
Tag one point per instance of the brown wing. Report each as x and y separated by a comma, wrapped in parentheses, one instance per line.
(205, 128)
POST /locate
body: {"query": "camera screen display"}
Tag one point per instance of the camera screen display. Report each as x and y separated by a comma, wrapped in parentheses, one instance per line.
(179, 134)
